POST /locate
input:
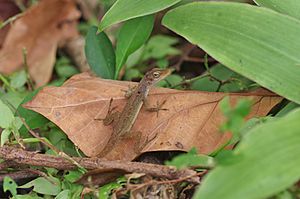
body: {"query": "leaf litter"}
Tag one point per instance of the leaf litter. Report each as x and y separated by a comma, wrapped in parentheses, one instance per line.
(193, 118)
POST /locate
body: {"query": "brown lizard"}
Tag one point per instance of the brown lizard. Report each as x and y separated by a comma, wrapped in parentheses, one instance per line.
(122, 122)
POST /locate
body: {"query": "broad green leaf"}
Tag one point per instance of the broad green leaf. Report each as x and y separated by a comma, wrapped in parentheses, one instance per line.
(289, 7)
(159, 46)
(33, 119)
(191, 159)
(123, 10)
(63, 195)
(170, 81)
(5, 136)
(72, 176)
(288, 108)
(100, 53)
(133, 34)
(267, 163)
(10, 185)
(43, 186)
(105, 190)
(132, 73)
(18, 79)
(6, 116)
(27, 196)
(258, 43)
(64, 68)
(235, 81)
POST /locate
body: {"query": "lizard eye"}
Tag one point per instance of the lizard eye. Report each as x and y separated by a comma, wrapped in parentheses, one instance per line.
(156, 74)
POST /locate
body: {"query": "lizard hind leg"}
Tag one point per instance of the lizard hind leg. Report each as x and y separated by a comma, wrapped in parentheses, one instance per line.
(140, 144)
(111, 114)
(157, 108)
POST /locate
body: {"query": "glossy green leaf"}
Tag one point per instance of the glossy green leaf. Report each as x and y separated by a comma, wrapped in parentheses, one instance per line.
(289, 7)
(235, 81)
(10, 185)
(288, 108)
(63, 195)
(6, 115)
(159, 46)
(33, 119)
(28, 196)
(191, 159)
(44, 186)
(123, 10)
(258, 43)
(267, 162)
(133, 34)
(18, 79)
(100, 53)
(5, 136)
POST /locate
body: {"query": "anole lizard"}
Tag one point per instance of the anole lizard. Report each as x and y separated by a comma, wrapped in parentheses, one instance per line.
(122, 122)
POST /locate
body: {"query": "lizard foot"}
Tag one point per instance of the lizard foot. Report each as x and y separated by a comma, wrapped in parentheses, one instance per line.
(129, 91)
(157, 108)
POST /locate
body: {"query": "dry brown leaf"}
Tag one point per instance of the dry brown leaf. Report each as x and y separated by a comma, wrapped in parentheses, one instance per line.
(39, 30)
(7, 9)
(193, 118)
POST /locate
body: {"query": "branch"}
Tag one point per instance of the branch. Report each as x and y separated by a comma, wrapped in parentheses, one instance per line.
(21, 156)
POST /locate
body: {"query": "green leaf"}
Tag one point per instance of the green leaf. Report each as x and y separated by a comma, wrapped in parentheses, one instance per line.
(235, 116)
(63, 195)
(222, 73)
(159, 46)
(289, 7)
(73, 176)
(123, 10)
(191, 159)
(100, 53)
(258, 43)
(27, 196)
(33, 119)
(105, 190)
(269, 163)
(132, 73)
(18, 79)
(170, 81)
(43, 186)
(64, 68)
(5, 136)
(289, 107)
(6, 116)
(10, 185)
(133, 34)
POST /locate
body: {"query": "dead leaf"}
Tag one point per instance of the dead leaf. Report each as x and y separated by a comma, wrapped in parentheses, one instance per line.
(7, 9)
(193, 118)
(39, 30)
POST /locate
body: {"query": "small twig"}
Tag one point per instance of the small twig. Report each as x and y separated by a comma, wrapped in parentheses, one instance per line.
(20, 5)
(6, 83)
(29, 80)
(42, 174)
(189, 81)
(184, 56)
(34, 159)
(10, 20)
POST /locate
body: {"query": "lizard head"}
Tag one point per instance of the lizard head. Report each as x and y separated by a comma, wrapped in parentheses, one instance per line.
(156, 74)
